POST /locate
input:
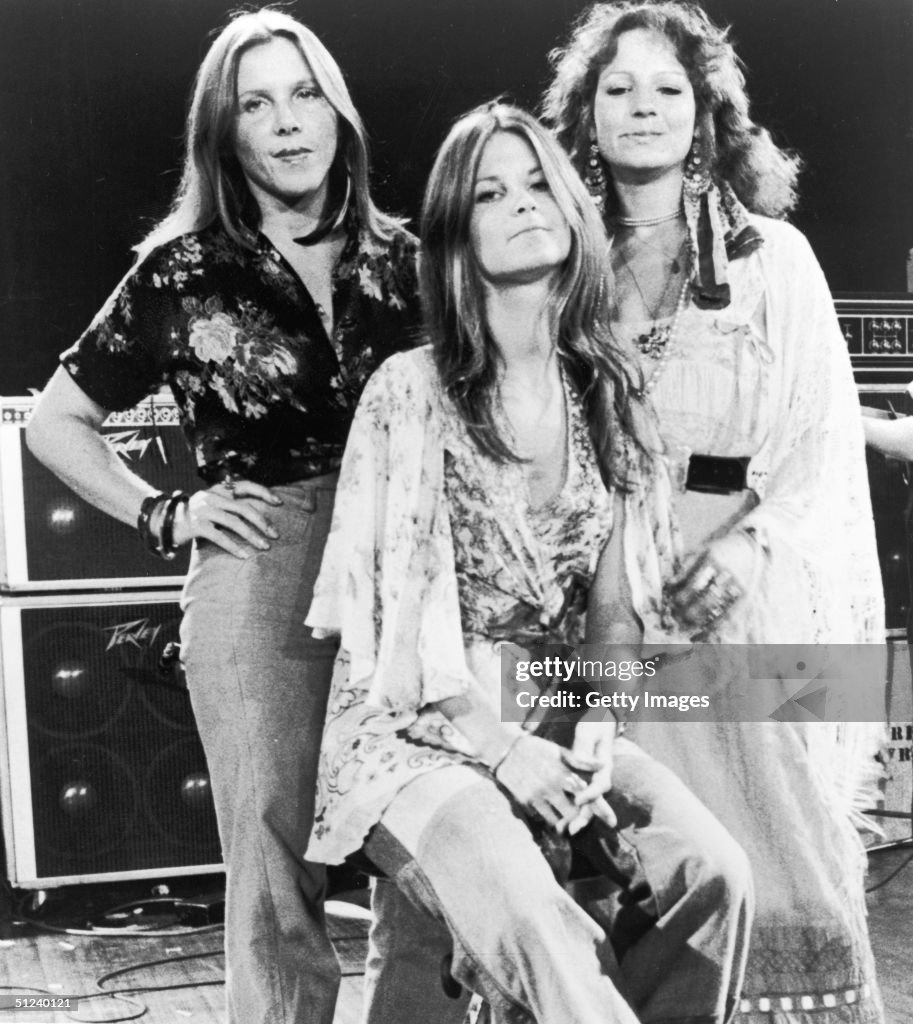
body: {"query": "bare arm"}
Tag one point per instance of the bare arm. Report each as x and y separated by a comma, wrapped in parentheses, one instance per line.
(889, 436)
(610, 619)
(64, 432)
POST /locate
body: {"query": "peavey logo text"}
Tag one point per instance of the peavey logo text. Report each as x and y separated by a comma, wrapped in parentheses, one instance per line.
(139, 633)
(128, 444)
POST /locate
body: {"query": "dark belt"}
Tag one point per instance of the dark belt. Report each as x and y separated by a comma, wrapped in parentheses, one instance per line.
(714, 474)
(271, 471)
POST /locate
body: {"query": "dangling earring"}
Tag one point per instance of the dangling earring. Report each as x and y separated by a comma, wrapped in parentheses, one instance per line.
(595, 179)
(697, 173)
(694, 158)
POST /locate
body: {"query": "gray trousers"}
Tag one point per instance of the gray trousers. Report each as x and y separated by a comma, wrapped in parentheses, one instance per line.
(259, 683)
(672, 949)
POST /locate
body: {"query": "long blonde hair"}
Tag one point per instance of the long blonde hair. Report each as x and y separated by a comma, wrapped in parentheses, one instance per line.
(212, 185)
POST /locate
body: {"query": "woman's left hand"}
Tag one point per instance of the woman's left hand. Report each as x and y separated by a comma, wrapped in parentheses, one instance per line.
(712, 583)
(593, 742)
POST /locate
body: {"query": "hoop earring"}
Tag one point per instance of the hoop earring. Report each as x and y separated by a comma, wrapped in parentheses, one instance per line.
(595, 179)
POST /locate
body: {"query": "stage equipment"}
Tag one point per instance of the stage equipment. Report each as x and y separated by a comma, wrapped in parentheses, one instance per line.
(895, 817)
(102, 772)
(889, 484)
(878, 330)
(50, 539)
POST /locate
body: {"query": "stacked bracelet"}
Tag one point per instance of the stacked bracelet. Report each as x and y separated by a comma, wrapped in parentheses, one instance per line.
(167, 545)
(149, 510)
(155, 523)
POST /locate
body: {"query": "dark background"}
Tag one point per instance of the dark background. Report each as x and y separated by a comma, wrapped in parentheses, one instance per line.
(93, 97)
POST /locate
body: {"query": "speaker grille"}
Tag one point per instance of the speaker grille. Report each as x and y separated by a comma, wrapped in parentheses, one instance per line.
(118, 776)
(67, 539)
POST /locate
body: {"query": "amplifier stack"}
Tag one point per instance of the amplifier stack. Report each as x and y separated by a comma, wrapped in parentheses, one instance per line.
(102, 774)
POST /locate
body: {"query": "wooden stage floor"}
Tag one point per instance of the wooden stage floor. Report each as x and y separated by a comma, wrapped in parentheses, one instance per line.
(178, 978)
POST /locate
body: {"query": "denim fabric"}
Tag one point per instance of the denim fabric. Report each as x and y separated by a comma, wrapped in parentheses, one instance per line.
(670, 949)
(406, 949)
(258, 682)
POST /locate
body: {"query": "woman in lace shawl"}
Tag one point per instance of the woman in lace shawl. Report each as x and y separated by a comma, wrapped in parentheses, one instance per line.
(482, 478)
(741, 352)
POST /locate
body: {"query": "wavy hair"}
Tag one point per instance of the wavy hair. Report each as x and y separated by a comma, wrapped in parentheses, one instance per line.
(212, 183)
(453, 295)
(736, 150)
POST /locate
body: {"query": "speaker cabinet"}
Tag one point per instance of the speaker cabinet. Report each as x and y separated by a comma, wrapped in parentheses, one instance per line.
(50, 539)
(103, 775)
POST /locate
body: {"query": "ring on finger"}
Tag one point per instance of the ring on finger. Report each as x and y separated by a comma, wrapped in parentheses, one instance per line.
(705, 578)
(715, 611)
(723, 595)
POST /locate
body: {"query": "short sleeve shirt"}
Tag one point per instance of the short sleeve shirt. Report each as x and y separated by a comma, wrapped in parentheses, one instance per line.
(239, 340)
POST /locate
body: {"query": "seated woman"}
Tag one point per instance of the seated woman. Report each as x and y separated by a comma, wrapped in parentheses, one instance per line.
(483, 477)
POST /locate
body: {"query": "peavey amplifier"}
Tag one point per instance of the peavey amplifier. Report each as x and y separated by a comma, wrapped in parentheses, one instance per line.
(50, 539)
(103, 774)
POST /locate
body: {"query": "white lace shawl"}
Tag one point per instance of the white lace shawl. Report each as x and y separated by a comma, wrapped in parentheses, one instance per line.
(815, 518)
(819, 579)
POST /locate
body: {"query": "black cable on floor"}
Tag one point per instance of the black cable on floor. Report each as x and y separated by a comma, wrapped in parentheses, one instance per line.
(150, 932)
(125, 994)
(892, 875)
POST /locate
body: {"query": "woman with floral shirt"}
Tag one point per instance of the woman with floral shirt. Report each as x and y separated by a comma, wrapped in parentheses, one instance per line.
(263, 300)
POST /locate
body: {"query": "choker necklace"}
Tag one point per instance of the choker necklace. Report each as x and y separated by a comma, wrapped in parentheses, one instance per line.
(647, 222)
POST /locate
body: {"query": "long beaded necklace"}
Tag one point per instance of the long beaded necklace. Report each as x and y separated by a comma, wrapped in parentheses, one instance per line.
(653, 343)
(667, 347)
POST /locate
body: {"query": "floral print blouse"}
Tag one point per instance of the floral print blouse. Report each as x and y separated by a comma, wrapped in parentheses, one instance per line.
(522, 571)
(241, 343)
(435, 555)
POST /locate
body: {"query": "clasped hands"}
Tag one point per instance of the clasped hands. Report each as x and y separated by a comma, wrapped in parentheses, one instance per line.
(566, 788)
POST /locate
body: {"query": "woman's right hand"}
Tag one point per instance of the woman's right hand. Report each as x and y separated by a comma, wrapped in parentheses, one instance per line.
(230, 516)
(711, 583)
(542, 777)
